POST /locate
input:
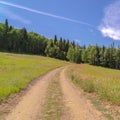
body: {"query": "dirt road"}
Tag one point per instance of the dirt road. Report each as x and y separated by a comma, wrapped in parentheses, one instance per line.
(31, 104)
(79, 107)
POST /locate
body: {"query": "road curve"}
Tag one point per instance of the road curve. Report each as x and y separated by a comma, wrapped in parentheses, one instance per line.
(31, 104)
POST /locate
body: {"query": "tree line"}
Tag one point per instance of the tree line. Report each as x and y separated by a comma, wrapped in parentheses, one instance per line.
(21, 41)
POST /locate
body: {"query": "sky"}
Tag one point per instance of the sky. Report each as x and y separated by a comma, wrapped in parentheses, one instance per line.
(88, 22)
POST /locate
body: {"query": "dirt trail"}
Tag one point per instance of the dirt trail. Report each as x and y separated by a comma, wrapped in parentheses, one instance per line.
(79, 107)
(30, 105)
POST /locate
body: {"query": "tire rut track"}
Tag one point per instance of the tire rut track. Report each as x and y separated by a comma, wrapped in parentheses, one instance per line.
(75, 106)
(31, 104)
(79, 107)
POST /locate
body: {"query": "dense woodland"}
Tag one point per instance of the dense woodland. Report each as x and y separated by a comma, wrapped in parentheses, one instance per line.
(21, 41)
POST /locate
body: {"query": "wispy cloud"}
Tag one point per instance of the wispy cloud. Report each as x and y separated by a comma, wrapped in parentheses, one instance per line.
(45, 13)
(14, 16)
(110, 26)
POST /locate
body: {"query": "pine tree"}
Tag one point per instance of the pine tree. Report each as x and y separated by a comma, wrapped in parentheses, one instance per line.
(24, 40)
(55, 40)
(118, 58)
(97, 55)
(60, 43)
(5, 35)
(6, 26)
(102, 58)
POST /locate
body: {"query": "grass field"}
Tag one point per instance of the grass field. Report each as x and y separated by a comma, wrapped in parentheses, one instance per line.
(103, 81)
(17, 71)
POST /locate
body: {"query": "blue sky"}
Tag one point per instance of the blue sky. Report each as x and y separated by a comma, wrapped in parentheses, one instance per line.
(84, 21)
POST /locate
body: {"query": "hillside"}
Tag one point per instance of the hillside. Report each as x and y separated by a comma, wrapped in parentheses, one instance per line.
(102, 81)
(22, 41)
(17, 71)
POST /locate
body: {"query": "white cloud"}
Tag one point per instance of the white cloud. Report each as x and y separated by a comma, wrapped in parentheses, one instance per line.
(110, 26)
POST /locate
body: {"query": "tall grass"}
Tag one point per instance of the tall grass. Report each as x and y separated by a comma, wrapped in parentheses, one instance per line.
(17, 71)
(103, 81)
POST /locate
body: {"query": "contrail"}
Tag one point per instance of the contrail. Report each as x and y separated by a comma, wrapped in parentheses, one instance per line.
(45, 13)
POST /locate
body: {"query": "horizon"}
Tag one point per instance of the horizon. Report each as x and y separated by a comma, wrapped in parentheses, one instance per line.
(81, 21)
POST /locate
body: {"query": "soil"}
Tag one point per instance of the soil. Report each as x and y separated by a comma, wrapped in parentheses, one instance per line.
(79, 107)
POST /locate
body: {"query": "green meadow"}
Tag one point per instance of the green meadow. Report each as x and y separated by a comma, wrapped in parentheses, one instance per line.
(17, 71)
(102, 81)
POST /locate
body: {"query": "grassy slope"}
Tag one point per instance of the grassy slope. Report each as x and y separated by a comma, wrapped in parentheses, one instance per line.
(17, 71)
(103, 81)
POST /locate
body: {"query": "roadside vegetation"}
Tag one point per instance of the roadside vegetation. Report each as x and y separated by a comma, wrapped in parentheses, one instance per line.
(102, 81)
(17, 71)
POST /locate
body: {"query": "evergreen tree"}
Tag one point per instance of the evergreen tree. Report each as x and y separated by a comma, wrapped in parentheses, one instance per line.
(118, 58)
(112, 57)
(5, 35)
(55, 40)
(67, 46)
(97, 55)
(6, 26)
(107, 57)
(102, 58)
(24, 40)
(60, 43)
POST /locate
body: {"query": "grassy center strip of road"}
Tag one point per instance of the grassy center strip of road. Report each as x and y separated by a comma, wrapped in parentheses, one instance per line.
(54, 103)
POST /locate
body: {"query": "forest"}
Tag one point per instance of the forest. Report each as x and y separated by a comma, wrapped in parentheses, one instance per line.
(24, 42)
